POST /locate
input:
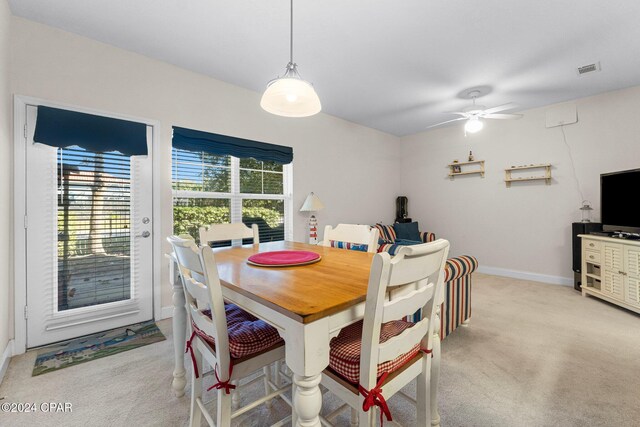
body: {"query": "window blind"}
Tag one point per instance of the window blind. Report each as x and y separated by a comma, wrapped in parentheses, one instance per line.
(94, 228)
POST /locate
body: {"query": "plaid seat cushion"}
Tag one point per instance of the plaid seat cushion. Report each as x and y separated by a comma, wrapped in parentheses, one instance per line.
(344, 352)
(247, 334)
(349, 245)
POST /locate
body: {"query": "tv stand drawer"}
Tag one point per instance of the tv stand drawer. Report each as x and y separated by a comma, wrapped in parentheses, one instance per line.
(592, 256)
(592, 245)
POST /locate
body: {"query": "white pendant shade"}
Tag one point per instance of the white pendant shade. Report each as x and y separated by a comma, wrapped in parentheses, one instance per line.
(473, 125)
(290, 97)
(311, 204)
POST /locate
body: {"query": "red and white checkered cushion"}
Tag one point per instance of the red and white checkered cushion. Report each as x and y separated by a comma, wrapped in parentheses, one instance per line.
(247, 334)
(344, 352)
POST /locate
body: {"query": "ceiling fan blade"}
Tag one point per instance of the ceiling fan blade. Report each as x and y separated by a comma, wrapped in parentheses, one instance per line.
(463, 114)
(448, 121)
(500, 108)
(502, 116)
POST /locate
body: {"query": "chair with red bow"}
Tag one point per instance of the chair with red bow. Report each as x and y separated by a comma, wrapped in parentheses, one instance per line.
(232, 341)
(373, 359)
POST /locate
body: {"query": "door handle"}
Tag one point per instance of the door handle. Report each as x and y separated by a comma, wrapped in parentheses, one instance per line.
(144, 234)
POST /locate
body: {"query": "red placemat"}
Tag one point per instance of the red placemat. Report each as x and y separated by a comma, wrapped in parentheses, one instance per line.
(283, 258)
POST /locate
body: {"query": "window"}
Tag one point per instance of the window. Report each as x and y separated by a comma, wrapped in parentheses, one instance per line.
(213, 189)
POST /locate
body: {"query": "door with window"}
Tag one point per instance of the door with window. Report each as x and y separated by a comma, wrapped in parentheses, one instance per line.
(89, 242)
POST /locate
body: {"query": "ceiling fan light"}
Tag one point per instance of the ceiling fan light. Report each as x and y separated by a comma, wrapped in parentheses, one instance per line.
(290, 97)
(473, 125)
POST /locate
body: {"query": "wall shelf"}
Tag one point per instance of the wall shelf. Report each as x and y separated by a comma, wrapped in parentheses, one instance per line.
(458, 166)
(509, 178)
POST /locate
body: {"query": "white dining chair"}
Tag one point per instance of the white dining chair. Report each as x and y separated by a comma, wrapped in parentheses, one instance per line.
(384, 353)
(351, 236)
(232, 341)
(228, 232)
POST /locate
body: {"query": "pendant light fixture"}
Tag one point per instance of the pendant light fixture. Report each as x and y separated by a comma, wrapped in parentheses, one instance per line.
(289, 95)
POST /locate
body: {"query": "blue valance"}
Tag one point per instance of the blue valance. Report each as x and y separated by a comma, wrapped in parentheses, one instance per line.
(222, 145)
(64, 128)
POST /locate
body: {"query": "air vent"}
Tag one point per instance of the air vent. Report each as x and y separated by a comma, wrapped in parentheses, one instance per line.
(589, 68)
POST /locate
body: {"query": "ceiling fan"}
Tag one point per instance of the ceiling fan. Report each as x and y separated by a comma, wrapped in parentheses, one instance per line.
(473, 113)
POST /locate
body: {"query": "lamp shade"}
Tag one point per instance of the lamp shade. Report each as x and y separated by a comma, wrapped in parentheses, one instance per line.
(290, 97)
(311, 204)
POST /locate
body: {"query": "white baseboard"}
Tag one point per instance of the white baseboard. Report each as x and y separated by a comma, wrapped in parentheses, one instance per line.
(526, 275)
(166, 312)
(6, 358)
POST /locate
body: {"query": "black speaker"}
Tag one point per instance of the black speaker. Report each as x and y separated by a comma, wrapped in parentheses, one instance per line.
(580, 228)
(401, 208)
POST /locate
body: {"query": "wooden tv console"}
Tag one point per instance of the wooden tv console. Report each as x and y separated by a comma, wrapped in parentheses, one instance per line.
(611, 270)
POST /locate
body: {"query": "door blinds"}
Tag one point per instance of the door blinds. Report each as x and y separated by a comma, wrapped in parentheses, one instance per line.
(94, 228)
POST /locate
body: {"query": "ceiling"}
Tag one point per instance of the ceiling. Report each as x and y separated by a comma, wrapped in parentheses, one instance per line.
(396, 66)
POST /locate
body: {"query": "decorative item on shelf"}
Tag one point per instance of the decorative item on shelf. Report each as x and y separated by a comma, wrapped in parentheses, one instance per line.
(456, 168)
(586, 210)
(312, 204)
(289, 95)
(471, 159)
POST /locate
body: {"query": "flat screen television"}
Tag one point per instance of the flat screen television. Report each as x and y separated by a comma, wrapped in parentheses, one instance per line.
(619, 193)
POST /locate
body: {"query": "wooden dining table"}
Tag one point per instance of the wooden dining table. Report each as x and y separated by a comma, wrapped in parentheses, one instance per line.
(307, 304)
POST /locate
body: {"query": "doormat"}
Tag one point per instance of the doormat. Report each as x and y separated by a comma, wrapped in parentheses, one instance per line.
(90, 347)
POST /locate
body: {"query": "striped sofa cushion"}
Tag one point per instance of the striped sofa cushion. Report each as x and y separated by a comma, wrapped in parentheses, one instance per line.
(387, 233)
(349, 245)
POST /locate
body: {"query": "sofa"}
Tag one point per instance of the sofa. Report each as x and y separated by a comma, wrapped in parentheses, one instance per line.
(456, 308)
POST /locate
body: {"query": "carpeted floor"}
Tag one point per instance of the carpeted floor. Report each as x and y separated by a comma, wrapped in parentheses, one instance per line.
(533, 355)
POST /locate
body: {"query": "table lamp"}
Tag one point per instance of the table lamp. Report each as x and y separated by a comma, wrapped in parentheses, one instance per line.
(312, 204)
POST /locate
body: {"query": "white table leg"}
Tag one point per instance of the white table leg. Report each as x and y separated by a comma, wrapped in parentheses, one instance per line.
(307, 400)
(179, 332)
(435, 373)
(307, 354)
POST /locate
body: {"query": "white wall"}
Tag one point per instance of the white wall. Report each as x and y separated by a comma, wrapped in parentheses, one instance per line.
(6, 298)
(526, 228)
(353, 169)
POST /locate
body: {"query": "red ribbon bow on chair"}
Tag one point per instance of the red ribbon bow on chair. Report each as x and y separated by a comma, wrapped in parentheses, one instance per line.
(374, 397)
(223, 384)
(193, 356)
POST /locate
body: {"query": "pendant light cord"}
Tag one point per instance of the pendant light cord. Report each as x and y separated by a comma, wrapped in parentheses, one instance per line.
(291, 36)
